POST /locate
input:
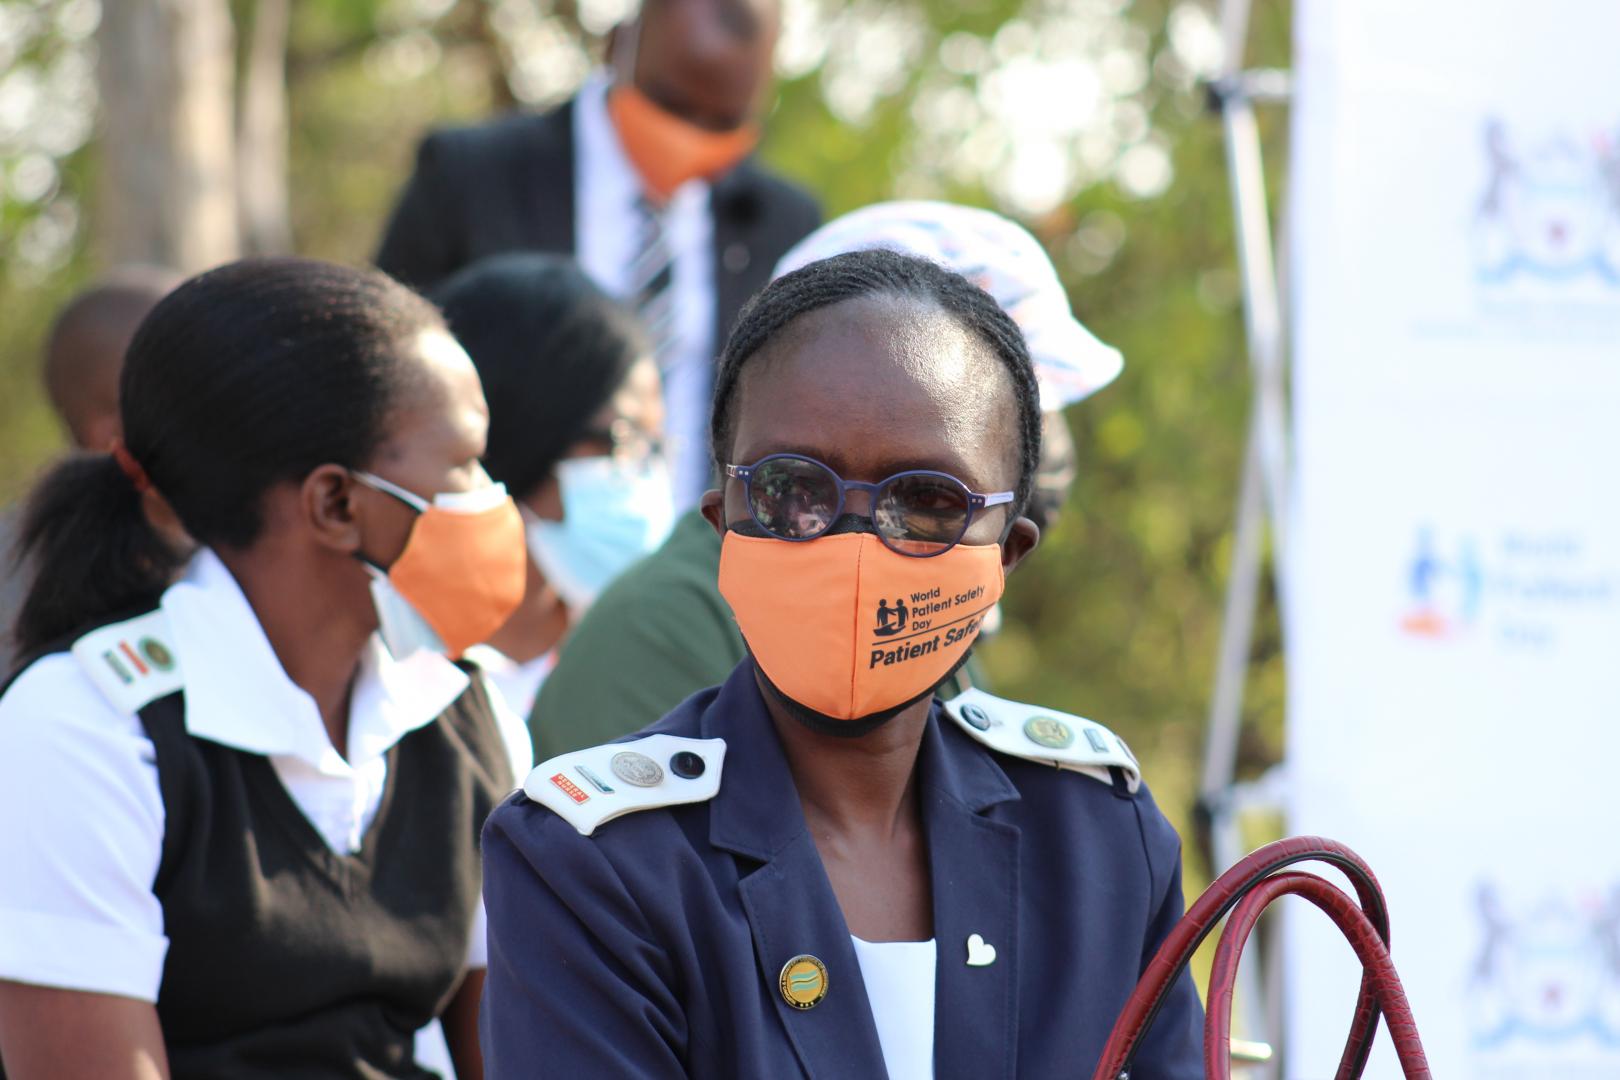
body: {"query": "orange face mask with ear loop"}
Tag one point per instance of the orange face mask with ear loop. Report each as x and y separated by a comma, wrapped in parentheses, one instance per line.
(463, 572)
(668, 151)
(846, 627)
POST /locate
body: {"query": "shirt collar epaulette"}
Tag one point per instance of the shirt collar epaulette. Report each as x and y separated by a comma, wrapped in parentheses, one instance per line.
(588, 788)
(1044, 735)
(133, 663)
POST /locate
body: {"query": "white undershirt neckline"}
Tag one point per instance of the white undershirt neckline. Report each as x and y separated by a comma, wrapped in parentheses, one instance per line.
(899, 977)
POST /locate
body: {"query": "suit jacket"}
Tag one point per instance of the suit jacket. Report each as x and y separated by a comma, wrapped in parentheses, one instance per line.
(653, 947)
(508, 185)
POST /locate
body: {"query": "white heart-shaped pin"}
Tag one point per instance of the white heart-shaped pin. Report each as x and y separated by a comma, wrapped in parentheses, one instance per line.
(980, 952)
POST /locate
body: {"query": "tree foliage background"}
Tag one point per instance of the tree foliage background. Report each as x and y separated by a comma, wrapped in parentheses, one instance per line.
(1084, 118)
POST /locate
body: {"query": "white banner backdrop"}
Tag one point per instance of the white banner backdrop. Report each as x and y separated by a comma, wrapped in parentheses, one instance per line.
(1454, 578)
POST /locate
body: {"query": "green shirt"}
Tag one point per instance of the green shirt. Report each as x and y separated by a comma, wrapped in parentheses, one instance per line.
(658, 634)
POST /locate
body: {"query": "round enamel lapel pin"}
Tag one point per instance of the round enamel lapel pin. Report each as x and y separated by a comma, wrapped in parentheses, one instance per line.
(803, 981)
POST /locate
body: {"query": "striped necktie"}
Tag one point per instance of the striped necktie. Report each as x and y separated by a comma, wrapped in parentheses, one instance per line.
(652, 272)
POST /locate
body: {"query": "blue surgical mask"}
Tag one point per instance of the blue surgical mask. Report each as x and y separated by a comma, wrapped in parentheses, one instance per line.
(614, 512)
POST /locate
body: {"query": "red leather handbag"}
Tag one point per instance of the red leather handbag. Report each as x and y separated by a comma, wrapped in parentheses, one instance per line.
(1245, 890)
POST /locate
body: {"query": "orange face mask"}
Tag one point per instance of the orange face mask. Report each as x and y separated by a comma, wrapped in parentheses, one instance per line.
(668, 151)
(461, 576)
(848, 628)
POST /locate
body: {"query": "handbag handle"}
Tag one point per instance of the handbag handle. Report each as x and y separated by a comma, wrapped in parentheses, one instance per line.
(1226, 893)
(1369, 949)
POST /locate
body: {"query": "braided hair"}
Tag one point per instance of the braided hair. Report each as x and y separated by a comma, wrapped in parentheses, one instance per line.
(242, 378)
(878, 272)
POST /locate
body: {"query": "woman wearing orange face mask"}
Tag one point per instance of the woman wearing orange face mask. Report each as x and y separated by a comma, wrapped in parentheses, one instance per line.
(823, 870)
(239, 814)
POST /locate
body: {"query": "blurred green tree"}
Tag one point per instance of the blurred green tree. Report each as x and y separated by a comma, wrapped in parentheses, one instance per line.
(1082, 117)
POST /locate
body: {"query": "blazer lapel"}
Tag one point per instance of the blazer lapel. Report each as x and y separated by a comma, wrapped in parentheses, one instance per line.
(792, 911)
(975, 872)
(788, 899)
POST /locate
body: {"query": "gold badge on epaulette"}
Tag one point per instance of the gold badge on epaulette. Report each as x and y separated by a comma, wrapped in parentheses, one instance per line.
(1048, 731)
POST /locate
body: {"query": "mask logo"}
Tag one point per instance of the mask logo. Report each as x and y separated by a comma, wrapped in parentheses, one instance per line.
(890, 620)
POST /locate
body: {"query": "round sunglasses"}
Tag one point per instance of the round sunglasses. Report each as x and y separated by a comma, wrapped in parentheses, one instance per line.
(920, 513)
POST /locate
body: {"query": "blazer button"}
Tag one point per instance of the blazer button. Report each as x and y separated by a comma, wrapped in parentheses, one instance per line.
(735, 258)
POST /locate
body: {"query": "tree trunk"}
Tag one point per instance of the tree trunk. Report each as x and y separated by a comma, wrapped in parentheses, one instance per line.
(168, 187)
(261, 134)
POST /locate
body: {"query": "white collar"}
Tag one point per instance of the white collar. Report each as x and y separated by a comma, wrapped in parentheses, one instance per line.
(237, 693)
(605, 161)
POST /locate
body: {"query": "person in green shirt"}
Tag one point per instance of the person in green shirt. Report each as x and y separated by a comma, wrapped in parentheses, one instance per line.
(661, 631)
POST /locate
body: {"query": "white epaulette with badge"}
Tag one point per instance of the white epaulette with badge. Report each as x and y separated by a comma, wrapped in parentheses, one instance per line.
(1044, 735)
(589, 787)
(132, 663)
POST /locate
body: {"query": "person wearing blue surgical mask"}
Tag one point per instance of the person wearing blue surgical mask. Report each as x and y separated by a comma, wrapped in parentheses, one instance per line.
(576, 434)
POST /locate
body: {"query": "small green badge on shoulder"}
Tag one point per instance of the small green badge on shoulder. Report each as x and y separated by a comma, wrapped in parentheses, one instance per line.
(132, 662)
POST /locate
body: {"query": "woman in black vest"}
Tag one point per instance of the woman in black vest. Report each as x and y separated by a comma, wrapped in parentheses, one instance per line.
(240, 792)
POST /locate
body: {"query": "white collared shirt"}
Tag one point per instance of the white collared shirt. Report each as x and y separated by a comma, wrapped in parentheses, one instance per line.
(606, 227)
(81, 813)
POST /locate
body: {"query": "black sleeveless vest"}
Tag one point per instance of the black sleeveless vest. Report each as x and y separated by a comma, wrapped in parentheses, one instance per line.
(288, 959)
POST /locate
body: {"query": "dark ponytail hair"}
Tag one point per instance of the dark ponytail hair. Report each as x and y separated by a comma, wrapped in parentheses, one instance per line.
(244, 377)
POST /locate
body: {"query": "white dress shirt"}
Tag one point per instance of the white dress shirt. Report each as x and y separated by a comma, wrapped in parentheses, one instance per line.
(899, 978)
(81, 814)
(606, 227)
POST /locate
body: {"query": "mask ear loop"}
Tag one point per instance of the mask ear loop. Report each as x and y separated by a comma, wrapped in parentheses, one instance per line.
(387, 487)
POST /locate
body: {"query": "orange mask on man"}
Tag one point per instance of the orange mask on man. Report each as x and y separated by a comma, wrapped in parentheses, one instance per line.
(463, 571)
(846, 627)
(666, 150)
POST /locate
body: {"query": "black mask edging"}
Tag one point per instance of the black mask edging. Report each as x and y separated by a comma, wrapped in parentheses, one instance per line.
(822, 724)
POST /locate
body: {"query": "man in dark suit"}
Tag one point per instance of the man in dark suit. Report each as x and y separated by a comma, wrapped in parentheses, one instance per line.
(646, 177)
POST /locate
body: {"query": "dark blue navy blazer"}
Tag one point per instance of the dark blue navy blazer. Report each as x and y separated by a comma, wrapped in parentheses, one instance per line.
(653, 947)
